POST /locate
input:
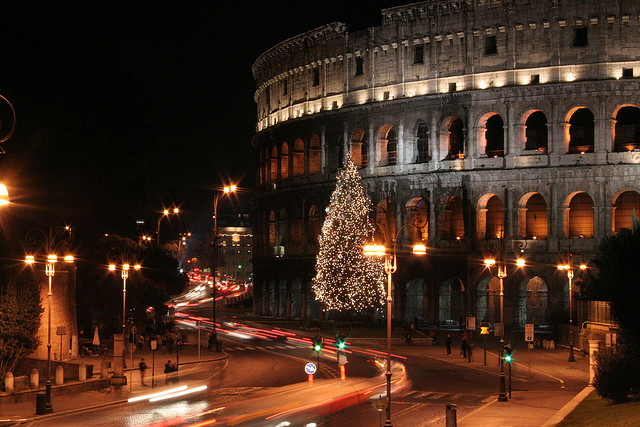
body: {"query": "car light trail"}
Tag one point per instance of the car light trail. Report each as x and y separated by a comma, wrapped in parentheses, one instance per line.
(178, 394)
(161, 393)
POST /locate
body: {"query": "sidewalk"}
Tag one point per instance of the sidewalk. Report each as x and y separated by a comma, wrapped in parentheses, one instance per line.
(536, 397)
(70, 401)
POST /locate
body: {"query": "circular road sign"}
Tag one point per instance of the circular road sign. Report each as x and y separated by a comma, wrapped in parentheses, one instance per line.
(310, 368)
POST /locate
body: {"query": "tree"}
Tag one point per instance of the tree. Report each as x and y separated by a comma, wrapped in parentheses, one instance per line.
(618, 280)
(345, 278)
(20, 312)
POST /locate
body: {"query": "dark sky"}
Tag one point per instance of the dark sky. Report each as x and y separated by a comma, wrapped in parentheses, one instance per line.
(125, 106)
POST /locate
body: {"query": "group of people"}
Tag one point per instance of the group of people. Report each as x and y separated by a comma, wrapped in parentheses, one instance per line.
(466, 349)
(169, 369)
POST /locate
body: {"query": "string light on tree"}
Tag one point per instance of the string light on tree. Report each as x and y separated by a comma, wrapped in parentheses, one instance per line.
(345, 278)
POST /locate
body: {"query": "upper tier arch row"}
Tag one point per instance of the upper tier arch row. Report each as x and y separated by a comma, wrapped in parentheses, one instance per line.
(473, 46)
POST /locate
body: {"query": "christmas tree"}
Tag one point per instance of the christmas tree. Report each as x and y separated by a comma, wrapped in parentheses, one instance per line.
(345, 278)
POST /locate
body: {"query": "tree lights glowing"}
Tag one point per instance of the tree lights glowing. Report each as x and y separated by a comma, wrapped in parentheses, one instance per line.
(345, 278)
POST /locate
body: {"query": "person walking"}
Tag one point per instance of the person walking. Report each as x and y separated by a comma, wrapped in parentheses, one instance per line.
(143, 369)
(168, 370)
(463, 347)
(447, 341)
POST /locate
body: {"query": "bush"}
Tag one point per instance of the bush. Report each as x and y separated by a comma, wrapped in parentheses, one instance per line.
(615, 373)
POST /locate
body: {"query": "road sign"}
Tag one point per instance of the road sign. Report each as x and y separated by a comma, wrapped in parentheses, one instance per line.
(342, 359)
(310, 368)
(528, 332)
(484, 330)
(471, 323)
(379, 404)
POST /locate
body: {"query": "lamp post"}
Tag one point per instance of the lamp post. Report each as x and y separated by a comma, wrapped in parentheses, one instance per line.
(165, 213)
(226, 191)
(501, 262)
(568, 267)
(390, 267)
(50, 243)
(124, 273)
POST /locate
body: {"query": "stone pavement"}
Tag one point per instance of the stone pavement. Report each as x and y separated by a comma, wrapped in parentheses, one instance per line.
(11, 412)
(537, 397)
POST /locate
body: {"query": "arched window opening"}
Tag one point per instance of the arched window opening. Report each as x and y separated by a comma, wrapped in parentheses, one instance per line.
(284, 161)
(581, 131)
(388, 145)
(495, 218)
(495, 136)
(298, 157)
(418, 229)
(385, 222)
(532, 302)
(274, 164)
(313, 226)
(452, 221)
(536, 133)
(315, 164)
(422, 143)
(415, 300)
(537, 219)
(272, 229)
(295, 225)
(450, 302)
(281, 233)
(626, 205)
(581, 216)
(357, 138)
(627, 129)
(456, 139)
(488, 300)
(264, 166)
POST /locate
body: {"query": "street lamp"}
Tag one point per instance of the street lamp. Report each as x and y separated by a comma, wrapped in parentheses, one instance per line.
(124, 273)
(4, 195)
(390, 267)
(569, 269)
(166, 213)
(227, 190)
(501, 262)
(51, 243)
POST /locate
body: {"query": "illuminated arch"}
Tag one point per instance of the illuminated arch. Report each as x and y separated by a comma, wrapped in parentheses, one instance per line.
(625, 205)
(298, 157)
(579, 218)
(489, 216)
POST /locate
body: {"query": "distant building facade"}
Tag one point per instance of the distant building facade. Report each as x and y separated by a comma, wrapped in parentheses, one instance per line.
(234, 249)
(495, 116)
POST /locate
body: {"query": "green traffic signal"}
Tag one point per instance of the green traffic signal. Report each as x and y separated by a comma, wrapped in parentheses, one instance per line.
(341, 345)
(508, 358)
(317, 347)
(317, 344)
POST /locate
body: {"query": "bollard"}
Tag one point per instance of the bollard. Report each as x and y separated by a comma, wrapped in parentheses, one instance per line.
(452, 415)
(59, 375)
(8, 383)
(41, 403)
(594, 346)
(82, 372)
(35, 379)
(104, 369)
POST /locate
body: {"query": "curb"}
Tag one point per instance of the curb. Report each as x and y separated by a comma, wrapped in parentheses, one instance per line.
(566, 409)
(101, 405)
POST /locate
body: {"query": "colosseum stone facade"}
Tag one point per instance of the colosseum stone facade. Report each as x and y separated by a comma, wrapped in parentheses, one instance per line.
(499, 117)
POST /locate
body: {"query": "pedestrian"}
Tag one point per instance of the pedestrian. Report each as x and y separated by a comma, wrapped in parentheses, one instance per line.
(469, 351)
(211, 341)
(168, 369)
(447, 341)
(143, 369)
(434, 338)
(463, 347)
(170, 344)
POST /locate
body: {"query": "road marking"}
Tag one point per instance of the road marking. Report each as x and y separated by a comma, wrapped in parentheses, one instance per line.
(248, 347)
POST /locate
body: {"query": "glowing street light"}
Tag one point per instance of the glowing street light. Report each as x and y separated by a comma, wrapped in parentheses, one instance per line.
(227, 190)
(166, 213)
(124, 273)
(4, 195)
(501, 252)
(390, 267)
(569, 269)
(51, 243)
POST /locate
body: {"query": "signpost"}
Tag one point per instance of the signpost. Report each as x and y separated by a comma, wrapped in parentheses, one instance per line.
(484, 330)
(528, 337)
(379, 405)
(310, 369)
(154, 345)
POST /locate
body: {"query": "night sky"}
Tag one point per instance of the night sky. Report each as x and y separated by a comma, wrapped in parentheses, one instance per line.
(125, 107)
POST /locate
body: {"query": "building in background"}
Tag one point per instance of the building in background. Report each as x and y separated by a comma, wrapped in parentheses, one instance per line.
(515, 117)
(234, 251)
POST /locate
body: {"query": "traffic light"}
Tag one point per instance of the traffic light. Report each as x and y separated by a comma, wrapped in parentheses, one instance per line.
(317, 344)
(180, 344)
(340, 344)
(507, 353)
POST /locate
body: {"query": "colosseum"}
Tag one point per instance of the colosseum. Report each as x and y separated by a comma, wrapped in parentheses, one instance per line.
(512, 123)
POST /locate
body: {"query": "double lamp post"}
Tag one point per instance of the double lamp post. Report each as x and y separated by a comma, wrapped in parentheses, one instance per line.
(390, 267)
(52, 243)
